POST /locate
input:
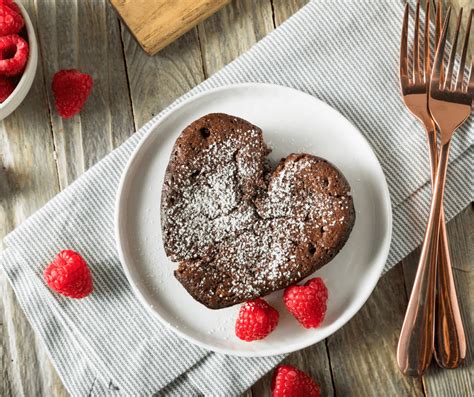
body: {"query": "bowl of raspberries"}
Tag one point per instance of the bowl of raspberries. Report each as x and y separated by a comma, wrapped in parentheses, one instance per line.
(18, 56)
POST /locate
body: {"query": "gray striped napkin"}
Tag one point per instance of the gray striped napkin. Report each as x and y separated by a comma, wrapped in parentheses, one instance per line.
(108, 344)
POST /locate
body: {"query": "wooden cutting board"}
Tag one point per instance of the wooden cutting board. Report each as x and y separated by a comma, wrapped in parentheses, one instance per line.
(157, 23)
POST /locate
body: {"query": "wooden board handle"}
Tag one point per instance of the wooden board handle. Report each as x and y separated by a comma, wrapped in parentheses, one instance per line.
(157, 23)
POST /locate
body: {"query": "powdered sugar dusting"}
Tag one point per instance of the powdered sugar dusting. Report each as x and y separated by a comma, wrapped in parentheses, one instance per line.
(242, 233)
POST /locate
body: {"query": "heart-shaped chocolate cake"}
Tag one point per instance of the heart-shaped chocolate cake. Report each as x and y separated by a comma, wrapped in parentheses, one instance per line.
(239, 229)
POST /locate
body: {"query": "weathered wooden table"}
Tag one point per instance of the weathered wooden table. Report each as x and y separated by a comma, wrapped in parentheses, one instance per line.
(41, 154)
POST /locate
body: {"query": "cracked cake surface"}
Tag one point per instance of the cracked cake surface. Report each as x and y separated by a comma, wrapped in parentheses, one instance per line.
(239, 229)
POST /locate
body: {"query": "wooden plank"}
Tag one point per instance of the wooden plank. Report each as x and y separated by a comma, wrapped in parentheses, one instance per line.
(156, 82)
(232, 31)
(458, 382)
(157, 23)
(283, 9)
(85, 35)
(28, 179)
(362, 353)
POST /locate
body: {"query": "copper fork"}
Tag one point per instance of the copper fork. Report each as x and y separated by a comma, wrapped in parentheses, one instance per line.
(415, 347)
(450, 104)
(450, 340)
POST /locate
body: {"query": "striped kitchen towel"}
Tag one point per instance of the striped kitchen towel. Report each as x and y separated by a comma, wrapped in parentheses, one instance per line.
(342, 52)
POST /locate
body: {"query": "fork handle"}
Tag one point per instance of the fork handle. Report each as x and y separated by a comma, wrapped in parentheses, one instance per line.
(450, 339)
(415, 347)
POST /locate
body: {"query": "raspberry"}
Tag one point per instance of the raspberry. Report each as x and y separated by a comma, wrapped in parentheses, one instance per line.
(71, 89)
(6, 88)
(289, 381)
(11, 20)
(307, 302)
(13, 6)
(13, 55)
(256, 320)
(69, 275)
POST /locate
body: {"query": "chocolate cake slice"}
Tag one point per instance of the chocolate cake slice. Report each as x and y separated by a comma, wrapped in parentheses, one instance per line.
(240, 230)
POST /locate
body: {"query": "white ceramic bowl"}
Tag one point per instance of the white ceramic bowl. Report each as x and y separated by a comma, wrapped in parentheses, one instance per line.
(24, 85)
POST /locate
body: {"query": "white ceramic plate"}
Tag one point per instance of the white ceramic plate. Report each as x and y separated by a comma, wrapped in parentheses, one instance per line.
(291, 121)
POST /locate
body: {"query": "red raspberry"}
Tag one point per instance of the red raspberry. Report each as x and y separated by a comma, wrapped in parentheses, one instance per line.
(256, 320)
(6, 88)
(13, 55)
(307, 302)
(69, 275)
(71, 89)
(289, 381)
(11, 20)
(12, 5)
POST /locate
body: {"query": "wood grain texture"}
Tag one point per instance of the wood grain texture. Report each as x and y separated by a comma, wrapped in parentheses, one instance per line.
(232, 31)
(28, 179)
(362, 353)
(157, 81)
(283, 9)
(85, 35)
(157, 23)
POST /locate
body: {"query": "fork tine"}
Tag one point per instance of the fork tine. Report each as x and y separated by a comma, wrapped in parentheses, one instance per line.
(438, 20)
(426, 34)
(404, 46)
(438, 60)
(416, 44)
(439, 26)
(460, 77)
(452, 55)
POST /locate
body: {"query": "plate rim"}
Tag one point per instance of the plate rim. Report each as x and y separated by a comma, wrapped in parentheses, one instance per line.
(339, 322)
